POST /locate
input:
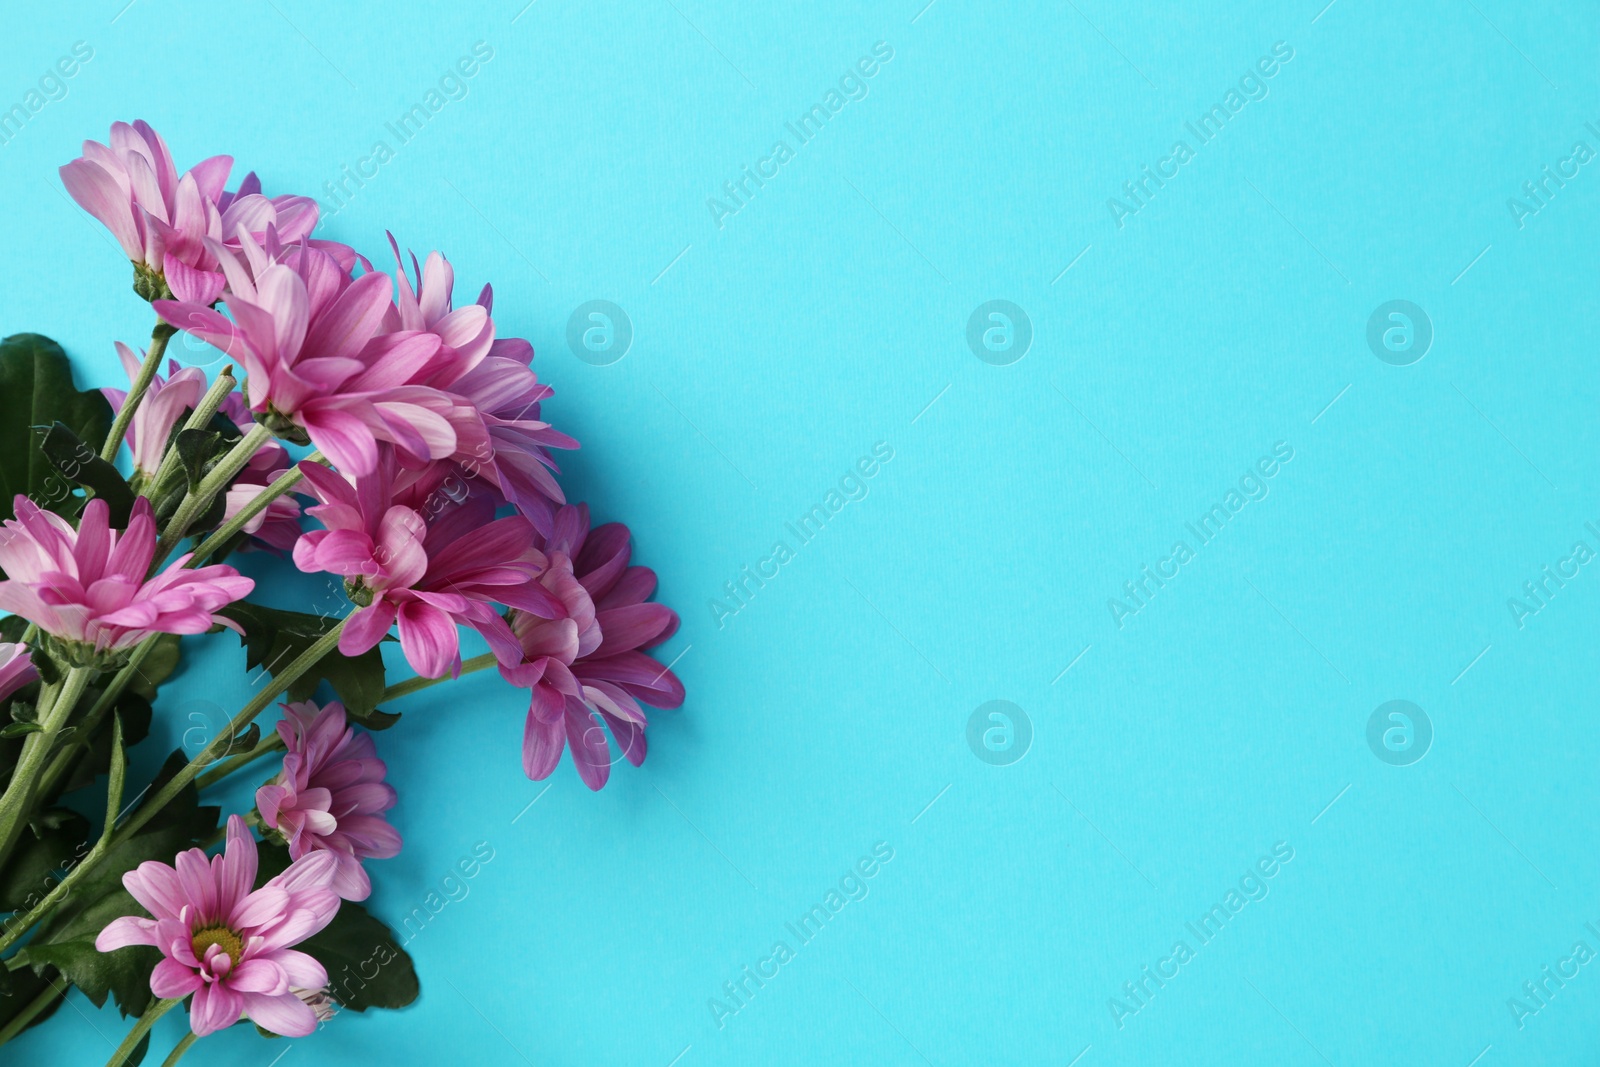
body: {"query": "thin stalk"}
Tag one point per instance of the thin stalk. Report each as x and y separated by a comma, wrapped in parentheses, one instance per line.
(179, 1049)
(217, 481)
(416, 685)
(290, 478)
(20, 1021)
(141, 385)
(18, 798)
(274, 689)
(198, 420)
(140, 1028)
(269, 744)
(91, 722)
(118, 776)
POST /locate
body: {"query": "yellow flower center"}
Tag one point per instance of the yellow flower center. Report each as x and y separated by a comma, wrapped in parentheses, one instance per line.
(218, 935)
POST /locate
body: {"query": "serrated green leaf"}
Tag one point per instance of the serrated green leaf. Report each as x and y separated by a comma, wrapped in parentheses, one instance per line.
(78, 463)
(157, 667)
(273, 639)
(36, 389)
(200, 451)
(54, 841)
(136, 715)
(19, 989)
(376, 719)
(366, 966)
(123, 974)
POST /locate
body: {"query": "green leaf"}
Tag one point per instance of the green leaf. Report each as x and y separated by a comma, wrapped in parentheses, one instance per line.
(123, 974)
(19, 988)
(273, 639)
(366, 966)
(55, 841)
(135, 713)
(157, 667)
(200, 451)
(36, 389)
(376, 719)
(78, 463)
(17, 729)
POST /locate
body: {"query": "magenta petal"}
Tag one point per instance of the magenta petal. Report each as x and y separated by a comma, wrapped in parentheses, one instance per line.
(344, 437)
(625, 629)
(590, 749)
(430, 639)
(367, 627)
(542, 743)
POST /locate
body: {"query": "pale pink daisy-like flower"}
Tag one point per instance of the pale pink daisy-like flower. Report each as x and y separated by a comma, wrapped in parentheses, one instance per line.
(160, 220)
(590, 659)
(174, 229)
(86, 587)
(426, 576)
(16, 668)
(228, 945)
(165, 404)
(318, 365)
(330, 795)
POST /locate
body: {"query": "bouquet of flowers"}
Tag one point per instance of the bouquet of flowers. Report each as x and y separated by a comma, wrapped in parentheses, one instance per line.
(425, 489)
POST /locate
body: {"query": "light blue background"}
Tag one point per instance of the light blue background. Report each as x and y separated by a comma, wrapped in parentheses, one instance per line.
(824, 317)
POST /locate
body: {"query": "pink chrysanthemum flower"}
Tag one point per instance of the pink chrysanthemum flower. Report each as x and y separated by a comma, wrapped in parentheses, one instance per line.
(229, 946)
(591, 660)
(428, 574)
(330, 795)
(317, 361)
(499, 435)
(87, 588)
(165, 404)
(160, 220)
(175, 229)
(16, 668)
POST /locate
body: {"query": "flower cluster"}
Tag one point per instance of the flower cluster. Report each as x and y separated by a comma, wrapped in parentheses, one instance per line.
(431, 498)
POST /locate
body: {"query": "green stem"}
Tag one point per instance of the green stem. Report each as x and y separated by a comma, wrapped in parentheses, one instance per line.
(290, 478)
(163, 796)
(20, 1021)
(291, 674)
(55, 709)
(416, 685)
(198, 420)
(91, 722)
(216, 482)
(140, 1028)
(180, 1048)
(271, 743)
(140, 385)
